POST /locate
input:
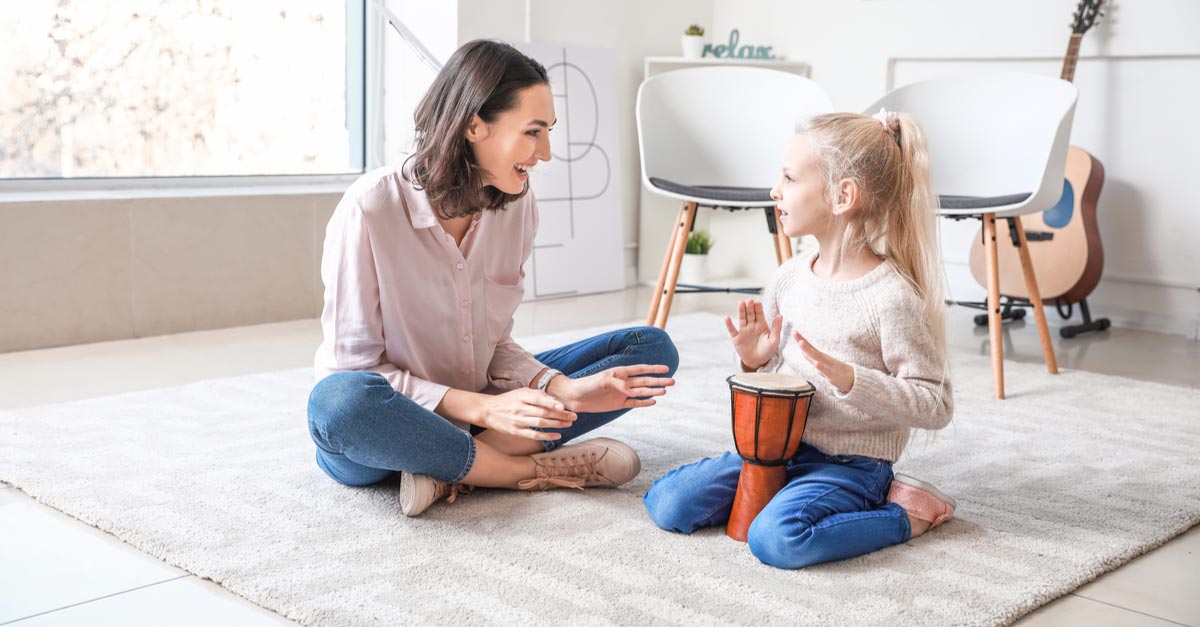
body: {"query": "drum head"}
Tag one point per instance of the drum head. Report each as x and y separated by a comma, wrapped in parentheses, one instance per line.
(768, 382)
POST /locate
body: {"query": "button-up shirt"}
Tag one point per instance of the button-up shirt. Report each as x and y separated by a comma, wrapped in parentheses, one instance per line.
(404, 300)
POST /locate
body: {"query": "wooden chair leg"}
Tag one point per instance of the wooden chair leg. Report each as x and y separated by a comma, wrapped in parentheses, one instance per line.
(785, 242)
(657, 296)
(1035, 297)
(772, 216)
(993, 304)
(689, 218)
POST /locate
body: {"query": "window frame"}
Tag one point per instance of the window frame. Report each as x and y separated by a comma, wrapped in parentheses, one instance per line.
(363, 97)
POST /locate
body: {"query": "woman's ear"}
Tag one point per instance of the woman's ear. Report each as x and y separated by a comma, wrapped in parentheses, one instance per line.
(846, 197)
(477, 129)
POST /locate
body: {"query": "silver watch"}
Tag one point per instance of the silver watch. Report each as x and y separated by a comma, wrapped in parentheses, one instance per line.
(544, 380)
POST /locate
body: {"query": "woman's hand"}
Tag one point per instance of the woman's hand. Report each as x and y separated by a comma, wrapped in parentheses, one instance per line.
(623, 387)
(517, 412)
(838, 373)
(754, 340)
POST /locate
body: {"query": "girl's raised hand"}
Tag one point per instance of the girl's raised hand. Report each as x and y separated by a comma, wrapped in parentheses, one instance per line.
(754, 340)
(839, 373)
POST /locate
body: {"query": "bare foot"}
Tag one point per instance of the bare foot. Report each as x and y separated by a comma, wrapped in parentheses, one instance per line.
(918, 526)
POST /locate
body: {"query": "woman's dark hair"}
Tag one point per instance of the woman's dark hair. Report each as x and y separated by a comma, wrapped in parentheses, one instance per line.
(483, 77)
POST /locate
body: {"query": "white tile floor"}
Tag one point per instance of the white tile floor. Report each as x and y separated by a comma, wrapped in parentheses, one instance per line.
(55, 570)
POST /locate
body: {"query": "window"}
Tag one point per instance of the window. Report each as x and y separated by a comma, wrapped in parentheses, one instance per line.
(181, 88)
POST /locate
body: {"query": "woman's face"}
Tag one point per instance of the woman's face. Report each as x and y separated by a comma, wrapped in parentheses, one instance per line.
(515, 141)
(801, 191)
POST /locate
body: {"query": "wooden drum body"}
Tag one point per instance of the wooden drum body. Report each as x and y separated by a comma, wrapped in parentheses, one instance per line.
(769, 412)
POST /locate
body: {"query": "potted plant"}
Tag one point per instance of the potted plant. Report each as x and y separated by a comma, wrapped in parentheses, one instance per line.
(693, 41)
(694, 270)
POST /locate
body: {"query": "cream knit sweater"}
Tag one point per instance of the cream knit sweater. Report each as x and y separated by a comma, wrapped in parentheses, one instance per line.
(874, 323)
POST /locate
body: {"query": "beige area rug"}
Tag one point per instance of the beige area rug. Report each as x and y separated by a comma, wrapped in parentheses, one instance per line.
(1071, 477)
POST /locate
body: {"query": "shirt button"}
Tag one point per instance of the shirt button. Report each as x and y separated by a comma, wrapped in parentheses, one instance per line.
(466, 338)
(466, 371)
(466, 303)
(459, 265)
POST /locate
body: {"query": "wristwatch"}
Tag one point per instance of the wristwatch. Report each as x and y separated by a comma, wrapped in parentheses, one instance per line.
(544, 380)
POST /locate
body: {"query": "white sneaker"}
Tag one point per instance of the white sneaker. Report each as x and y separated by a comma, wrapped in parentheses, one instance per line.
(418, 492)
(596, 463)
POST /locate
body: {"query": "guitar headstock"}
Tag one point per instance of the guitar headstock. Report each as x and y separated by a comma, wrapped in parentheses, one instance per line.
(1086, 15)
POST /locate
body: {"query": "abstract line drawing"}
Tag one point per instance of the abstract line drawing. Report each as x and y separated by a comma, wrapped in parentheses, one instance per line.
(579, 245)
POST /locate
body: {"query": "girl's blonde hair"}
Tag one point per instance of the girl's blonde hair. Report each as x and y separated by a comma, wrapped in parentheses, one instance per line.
(894, 217)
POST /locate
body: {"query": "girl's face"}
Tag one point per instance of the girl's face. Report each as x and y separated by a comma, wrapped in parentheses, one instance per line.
(801, 191)
(515, 141)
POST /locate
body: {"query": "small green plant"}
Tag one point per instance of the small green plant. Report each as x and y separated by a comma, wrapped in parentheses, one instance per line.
(699, 243)
(694, 29)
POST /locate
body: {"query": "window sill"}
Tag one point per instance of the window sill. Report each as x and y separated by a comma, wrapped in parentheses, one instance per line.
(176, 187)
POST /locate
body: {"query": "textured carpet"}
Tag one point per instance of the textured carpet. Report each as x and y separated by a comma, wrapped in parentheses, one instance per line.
(1069, 478)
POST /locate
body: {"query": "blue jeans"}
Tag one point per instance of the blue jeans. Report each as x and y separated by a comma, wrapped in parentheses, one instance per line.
(832, 508)
(365, 430)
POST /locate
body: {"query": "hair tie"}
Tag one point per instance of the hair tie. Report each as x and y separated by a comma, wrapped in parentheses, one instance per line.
(890, 121)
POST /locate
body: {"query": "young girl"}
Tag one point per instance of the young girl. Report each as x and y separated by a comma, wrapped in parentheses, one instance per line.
(418, 373)
(862, 320)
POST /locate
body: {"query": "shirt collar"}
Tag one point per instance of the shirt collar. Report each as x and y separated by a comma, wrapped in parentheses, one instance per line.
(420, 212)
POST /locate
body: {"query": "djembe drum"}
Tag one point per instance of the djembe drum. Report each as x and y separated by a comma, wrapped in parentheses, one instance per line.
(769, 412)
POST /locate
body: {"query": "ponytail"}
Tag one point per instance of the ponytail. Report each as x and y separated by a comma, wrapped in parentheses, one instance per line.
(895, 218)
(912, 227)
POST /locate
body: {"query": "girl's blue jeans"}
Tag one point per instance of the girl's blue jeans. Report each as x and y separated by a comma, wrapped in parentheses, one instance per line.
(832, 508)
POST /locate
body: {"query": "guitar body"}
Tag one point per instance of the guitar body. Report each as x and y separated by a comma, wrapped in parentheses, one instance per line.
(1067, 266)
(1063, 241)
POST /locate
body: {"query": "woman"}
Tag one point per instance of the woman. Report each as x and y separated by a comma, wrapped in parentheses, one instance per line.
(418, 373)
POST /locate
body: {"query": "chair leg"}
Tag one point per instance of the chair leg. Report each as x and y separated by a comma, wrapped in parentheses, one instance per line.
(993, 303)
(1035, 297)
(785, 242)
(685, 229)
(773, 228)
(656, 298)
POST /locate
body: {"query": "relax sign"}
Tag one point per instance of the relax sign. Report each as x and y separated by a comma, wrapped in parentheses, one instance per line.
(733, 51)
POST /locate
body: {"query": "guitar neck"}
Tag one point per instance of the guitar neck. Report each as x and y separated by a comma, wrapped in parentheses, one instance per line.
(1068, 70)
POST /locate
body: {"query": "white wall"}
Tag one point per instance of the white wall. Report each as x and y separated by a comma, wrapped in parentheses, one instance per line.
(1134, 114)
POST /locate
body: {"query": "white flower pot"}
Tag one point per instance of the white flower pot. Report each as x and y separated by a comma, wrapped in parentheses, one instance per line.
(694, 269)
(693, 46)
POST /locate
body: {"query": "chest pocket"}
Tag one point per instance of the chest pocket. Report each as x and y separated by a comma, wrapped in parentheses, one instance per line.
(502, 302)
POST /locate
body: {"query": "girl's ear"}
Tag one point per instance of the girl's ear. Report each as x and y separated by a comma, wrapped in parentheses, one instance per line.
(846, 197)
(477, 129)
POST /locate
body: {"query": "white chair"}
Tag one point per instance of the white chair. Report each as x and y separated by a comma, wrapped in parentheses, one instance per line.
(998, 149)
(714, 137)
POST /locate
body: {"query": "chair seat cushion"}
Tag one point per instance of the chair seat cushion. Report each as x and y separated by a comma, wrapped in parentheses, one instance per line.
(716, 192)
(763, 194)
(980, 202)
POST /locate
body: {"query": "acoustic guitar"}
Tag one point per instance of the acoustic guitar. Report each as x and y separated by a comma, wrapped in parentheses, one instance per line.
(1064, 241)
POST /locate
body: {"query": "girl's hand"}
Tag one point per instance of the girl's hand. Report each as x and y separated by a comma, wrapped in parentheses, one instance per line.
(754, 340)
(838, 373)
(622, 387)
(516, 413)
